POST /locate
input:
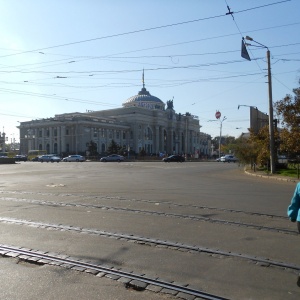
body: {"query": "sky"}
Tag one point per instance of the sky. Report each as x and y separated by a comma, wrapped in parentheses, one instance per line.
(64, 56)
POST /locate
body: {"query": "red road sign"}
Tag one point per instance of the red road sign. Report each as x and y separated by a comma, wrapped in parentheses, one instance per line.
(218, 114)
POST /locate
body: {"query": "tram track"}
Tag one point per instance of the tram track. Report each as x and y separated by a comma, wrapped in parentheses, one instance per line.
(169, 203)
(130, 279)
(154, 213)
(266, 262)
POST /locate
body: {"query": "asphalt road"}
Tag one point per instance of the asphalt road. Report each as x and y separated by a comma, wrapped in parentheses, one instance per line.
(210, 205)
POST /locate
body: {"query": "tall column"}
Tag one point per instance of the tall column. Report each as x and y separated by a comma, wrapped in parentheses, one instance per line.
(63, 138)
(170, 141)
(43, 139)
(51, 139)
(156, 139)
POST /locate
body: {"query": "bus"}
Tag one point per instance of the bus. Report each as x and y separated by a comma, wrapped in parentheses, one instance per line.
(34, 153)
(8, 154)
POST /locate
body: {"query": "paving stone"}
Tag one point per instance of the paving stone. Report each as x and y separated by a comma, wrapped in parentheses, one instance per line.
(124, 279)
(91, 271)
(169, 291)
(112, 276)
(154, 288)
(77, 268)
(137, 285)
(12, 254)
(185, 296)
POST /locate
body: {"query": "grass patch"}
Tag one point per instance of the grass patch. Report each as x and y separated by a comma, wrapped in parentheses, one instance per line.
(288, 172)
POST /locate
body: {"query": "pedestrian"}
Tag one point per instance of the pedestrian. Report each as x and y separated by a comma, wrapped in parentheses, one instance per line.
(294, 208)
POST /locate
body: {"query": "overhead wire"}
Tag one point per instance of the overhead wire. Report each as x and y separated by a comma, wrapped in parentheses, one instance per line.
(144, 30)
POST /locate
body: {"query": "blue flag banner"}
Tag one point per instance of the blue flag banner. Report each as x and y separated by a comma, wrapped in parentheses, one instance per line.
(244, 52)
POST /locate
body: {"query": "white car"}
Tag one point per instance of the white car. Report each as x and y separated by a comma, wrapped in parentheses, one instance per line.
(49, 158)
(112, 157)
(228, 158)
(74, 158)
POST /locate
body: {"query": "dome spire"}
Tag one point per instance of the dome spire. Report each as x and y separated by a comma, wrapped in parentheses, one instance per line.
(143, 79)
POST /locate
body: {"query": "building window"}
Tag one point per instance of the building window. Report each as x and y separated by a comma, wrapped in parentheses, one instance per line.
(148, 134)
(118, 135)
(47, 132)
(55, 132)
(124, 135)
(95, 132)
(40, 134)
(67, 131)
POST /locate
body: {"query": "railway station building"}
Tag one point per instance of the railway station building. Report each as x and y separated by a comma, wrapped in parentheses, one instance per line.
(143, 122)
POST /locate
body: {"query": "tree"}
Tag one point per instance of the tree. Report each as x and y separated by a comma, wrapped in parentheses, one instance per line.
(92, 148)
(246, 150)
(143, 152)
(289, 110)
(114, 148)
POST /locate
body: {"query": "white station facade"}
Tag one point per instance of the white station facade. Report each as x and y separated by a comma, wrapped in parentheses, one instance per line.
(143, 122)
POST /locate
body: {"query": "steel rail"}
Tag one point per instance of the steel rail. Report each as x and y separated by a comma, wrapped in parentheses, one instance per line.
(144, 201)
(45, 258)
(165, 214)
(157, 242)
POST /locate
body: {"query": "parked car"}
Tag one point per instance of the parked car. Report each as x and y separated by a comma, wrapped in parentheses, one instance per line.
(74, 157)
(112, 157)
(228, 158)
(20, 158)
(36, 158)
(176, 158)
(47, 158)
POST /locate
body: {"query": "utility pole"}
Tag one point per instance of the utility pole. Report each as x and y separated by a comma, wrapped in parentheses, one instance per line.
(271, 123)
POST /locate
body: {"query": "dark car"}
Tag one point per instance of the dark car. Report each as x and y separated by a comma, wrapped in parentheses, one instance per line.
(20, 158)
(176, 158)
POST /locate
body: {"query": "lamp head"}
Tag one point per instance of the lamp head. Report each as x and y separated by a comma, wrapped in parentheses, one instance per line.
(249, 38)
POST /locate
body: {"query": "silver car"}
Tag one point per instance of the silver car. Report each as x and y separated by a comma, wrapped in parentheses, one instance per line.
(112, 157)
(47, 158)
(74, 158)
(229, 158)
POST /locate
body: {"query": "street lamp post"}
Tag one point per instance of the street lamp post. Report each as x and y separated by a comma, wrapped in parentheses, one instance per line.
(271, 126)
(221, 124)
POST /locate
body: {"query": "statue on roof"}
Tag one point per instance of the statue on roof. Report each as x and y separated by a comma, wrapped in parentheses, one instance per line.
(170, 104)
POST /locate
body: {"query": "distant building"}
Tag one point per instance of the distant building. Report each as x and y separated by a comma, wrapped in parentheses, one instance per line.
(142, 123)
(2, 141)
(258, 119)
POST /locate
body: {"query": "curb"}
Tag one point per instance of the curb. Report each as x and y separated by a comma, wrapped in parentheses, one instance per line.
(271, 177)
